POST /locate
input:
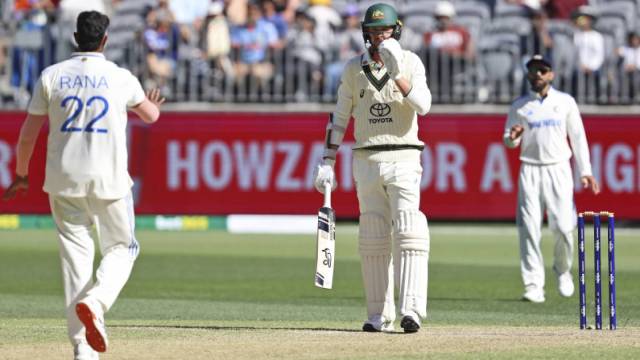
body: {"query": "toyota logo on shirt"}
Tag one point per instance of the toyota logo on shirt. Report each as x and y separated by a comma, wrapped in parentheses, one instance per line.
(380, 110)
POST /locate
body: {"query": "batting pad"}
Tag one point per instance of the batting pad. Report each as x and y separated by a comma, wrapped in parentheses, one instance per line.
(377, 267)
(411, 234)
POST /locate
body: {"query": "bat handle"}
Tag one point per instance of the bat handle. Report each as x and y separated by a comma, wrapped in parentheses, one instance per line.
(327, 194)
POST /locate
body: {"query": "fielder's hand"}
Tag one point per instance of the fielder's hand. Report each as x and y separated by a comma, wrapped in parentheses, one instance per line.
(19, 185)
(324, 173)
(516, 132)
(391, 54)
(591, 183)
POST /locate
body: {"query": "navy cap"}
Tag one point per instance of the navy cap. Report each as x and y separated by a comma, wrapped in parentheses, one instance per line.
(538, 59)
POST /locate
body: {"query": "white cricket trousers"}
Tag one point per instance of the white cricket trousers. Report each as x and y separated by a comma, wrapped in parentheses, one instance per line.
(393, 237)
(112, 221)
(545, 188)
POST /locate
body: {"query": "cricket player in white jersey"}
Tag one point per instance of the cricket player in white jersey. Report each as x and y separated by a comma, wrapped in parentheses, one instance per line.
(539, 123)
(383, 89)
(85, 99)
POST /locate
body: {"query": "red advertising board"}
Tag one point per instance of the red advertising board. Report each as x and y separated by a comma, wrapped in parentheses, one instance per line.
(262, 163)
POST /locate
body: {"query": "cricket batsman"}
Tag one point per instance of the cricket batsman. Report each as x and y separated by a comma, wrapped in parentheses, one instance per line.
(85, 99)
(383, 90)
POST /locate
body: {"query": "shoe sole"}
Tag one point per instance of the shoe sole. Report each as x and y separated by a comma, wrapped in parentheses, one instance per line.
(409, 325)
(534, 301)
(369, 328)
(94, 337)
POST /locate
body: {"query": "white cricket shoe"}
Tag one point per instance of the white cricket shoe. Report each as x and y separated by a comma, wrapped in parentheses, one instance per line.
(90, 314)
(565, 284)
(83, 351)
(377, 323)
(410, 323)
(534, 295)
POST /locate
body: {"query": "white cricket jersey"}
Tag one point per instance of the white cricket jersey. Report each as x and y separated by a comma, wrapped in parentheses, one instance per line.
(86, 99)
(547, 122)
(382, 115)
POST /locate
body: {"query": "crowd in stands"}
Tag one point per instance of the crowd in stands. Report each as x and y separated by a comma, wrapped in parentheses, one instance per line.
(294, 50)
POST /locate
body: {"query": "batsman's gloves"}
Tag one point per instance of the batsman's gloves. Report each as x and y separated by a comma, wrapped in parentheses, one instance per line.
(391, 54)
(20, 185)
(324, 173)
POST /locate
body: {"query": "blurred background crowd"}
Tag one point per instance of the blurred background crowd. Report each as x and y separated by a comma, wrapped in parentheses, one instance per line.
(284, 51)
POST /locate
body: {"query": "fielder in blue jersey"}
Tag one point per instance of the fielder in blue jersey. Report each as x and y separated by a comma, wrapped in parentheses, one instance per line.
(85, 100)
(540, 123)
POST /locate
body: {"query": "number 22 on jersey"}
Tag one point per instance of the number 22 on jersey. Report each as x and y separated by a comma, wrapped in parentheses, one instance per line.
(67, 126)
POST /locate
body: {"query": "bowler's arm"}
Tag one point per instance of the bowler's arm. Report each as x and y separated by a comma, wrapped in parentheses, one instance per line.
(27, 141)
(24, 150)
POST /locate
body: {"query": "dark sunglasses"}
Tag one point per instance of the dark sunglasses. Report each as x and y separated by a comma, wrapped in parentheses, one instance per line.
(542, 70)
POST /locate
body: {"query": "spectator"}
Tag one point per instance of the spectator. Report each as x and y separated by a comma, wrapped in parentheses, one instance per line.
(449, 38)
(541, 39)
(287, 8)
(189, 15)
(217, 41)
(449, 51)
(562, 9)
(28, 57)
(590, 56)
(303, 41)
(22, 8)
(237, 12)
(528, 4)
(589, 43)
(189, 11)
(5, 39)
(348, 44)
(160, 39)
(327, 19)
(274, 15)
(630, 55)
(253, 41)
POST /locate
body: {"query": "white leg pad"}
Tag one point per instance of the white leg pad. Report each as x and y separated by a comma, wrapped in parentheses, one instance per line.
(377, 265)
(411, 234)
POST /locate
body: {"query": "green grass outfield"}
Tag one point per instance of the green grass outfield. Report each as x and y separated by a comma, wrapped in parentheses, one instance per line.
(214, 295)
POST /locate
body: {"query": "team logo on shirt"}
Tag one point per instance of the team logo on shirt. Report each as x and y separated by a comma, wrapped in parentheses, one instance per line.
(380, 111)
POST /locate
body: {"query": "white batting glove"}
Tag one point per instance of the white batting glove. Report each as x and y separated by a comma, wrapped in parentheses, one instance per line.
(391, 54)
(324, 174)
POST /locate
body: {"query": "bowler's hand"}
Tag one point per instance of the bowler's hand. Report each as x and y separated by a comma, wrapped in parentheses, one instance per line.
(155, 97)
(19, 185)
(591, 183)
(516, 132)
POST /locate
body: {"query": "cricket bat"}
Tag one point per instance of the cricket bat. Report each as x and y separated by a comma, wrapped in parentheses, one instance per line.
(325, 242)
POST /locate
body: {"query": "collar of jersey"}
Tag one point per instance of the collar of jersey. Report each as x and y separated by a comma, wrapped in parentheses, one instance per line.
(367, 61)
(89, 54)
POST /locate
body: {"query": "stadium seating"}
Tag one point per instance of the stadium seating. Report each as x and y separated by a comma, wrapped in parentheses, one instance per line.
(500, 33)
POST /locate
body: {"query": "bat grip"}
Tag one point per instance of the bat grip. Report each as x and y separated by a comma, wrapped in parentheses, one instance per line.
(327, 194)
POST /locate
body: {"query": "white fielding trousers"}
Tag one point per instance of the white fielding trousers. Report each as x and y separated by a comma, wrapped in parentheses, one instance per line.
(112, 222)
(545, 188)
